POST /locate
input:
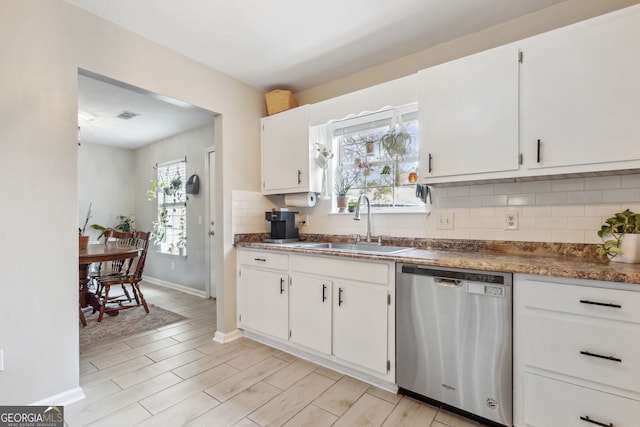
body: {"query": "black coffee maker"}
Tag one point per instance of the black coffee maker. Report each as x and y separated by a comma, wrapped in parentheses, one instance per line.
(283, 226)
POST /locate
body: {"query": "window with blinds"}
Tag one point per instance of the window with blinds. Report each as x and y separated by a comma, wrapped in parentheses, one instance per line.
(378, 155)
(170, 230)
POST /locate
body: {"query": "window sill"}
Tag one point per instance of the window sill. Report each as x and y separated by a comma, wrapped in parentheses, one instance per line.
(171, 254)
(422, 210)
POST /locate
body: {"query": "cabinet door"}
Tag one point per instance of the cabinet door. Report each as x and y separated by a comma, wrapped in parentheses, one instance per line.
(264, 302)
(360, 324)
(468, 111)
(310, 312)
(581, 92)
(285, 151)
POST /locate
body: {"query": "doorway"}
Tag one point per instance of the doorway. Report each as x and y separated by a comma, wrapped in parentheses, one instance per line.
(124, 132)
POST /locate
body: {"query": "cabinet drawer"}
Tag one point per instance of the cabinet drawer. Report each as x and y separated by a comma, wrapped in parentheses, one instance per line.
(597, 350)
(362, 271)
(552, 403)
(583, 300)
(266, 259)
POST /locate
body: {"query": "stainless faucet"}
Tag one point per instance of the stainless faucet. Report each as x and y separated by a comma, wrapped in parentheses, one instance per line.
(357, 216)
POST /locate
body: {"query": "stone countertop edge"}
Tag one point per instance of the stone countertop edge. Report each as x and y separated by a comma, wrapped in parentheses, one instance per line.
(575, 261)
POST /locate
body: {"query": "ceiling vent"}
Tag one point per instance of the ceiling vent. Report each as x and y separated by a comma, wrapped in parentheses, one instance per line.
(127, 115)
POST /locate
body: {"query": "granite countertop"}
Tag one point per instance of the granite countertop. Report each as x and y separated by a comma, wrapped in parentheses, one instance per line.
(575, 261)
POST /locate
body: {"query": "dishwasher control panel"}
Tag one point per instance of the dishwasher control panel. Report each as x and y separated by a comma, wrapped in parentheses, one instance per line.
(488, 290)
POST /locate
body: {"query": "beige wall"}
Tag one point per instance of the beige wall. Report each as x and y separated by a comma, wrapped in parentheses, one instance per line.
(106, 177)
(43, 44)
(563, 14)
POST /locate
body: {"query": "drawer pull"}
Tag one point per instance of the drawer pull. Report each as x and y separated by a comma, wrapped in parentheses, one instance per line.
(260, 259)
(281, 286)
(339, 297)
(603, 304)
(588, 353)
(324, 289)
(598, 423)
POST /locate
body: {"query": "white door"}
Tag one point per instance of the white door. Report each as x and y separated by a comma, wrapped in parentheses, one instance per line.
(360, 324)
(310, 312)
(211, 168)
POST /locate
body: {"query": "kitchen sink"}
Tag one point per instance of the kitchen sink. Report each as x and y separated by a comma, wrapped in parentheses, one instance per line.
(350, 247)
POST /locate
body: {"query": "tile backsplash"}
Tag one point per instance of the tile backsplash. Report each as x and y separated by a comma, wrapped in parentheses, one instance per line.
(563, 210)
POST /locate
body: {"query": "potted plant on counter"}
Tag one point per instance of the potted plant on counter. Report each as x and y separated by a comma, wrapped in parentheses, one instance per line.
(83, 241)
(342, 184)
(621, 238)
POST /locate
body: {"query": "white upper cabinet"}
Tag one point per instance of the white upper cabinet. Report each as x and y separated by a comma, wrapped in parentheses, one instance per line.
(581, 96)
(468, 112)
(288, 155)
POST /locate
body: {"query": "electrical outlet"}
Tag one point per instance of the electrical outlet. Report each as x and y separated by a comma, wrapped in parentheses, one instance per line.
(444, 221)
(173, 266)
(511, 221)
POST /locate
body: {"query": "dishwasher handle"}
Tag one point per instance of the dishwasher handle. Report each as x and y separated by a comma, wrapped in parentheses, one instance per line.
(451, 283)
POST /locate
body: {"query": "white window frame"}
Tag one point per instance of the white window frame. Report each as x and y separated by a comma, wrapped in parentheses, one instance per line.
(381, 120)
(173, 200)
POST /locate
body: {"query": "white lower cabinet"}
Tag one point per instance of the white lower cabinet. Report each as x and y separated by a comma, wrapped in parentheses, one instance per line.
(264, 302)
(360, 324)
(334, 311)
(557, 403)
(576, 352)
(310, 312)
(263, 296)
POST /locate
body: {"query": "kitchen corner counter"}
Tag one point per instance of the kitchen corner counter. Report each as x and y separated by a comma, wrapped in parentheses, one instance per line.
(560, 260)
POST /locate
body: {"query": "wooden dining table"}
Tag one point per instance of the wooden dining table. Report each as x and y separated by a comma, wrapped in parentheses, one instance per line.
(98, 253)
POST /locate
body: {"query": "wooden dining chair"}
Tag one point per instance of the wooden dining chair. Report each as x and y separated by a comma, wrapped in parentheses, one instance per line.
(131, 275)
(110, 268)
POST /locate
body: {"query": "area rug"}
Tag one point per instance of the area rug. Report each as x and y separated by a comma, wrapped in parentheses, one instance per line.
(127, 322)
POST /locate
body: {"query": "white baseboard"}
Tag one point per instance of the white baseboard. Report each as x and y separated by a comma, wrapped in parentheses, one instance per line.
(62, 399)
(223, 338)
(175, 286)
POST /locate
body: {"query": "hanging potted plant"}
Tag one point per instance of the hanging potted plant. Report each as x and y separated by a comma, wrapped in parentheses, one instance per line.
(621, 238)
(159, 227)
(182, 237)
(395, 142)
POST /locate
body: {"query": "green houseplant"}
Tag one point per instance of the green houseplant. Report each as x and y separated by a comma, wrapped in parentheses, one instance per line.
(159, 227)
(621, 238)
(395, 142)
(342, 183)
(125, 223)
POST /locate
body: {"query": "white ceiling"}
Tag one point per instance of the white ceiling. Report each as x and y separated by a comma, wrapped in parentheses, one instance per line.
(100, 102)
(300, 44)
(272, 44)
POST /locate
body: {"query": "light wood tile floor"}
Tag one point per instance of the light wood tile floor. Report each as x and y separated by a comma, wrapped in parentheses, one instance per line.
(177, 376)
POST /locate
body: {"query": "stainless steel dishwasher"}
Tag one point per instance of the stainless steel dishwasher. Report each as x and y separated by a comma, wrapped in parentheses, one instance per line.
(453, 339)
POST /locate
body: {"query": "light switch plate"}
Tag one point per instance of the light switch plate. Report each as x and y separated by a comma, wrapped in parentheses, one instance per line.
(444, 221)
